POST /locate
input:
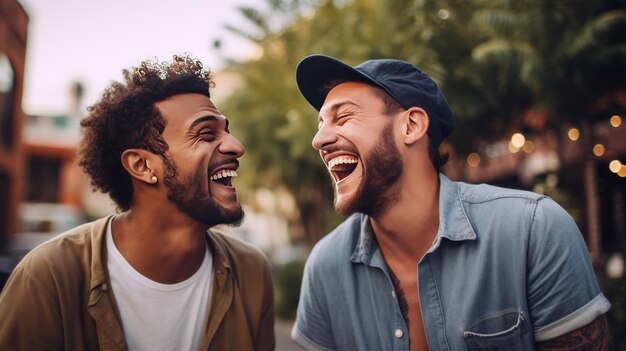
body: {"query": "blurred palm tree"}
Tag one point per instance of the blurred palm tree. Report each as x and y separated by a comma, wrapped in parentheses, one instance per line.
(564, 58)
(277, 124)
(495, 60)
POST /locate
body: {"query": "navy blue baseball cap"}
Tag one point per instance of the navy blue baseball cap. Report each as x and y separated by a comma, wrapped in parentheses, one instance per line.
(404, 82)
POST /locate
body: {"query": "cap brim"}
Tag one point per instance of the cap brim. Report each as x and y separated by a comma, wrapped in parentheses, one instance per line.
(314, 73)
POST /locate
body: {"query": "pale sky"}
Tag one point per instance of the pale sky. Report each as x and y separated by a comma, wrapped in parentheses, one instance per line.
(93, 40)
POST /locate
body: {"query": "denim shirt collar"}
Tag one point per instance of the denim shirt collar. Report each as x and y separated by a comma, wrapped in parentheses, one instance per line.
(453, 225)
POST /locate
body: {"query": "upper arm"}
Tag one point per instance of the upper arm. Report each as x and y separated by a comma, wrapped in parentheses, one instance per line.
(593, 336)
(562, 290)
(30, 315)
(312, 329)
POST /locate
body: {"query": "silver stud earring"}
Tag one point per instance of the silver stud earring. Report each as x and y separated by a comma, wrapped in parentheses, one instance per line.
(154, 179)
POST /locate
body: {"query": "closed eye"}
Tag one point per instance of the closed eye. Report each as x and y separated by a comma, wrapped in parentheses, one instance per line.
(206, 133)
(341, 119)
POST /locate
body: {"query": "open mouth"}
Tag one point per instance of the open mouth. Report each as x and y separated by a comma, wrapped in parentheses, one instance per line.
(342, 166)
(224, 177)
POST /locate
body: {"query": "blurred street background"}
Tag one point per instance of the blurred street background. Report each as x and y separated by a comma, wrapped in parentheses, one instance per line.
(538, 88)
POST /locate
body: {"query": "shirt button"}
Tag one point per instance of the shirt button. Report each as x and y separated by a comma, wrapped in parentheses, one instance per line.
(399, 333)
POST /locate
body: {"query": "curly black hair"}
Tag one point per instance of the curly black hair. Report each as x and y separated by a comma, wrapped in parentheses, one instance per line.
(126, 117)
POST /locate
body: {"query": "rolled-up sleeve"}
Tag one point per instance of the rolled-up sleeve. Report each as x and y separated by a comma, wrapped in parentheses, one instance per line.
(563, 292)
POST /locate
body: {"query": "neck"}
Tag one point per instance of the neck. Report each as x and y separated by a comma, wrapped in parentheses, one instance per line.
(165, 248)
(407, 229)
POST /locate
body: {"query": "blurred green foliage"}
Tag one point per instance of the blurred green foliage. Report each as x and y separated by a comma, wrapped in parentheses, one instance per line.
(287, 278)
(496, 61)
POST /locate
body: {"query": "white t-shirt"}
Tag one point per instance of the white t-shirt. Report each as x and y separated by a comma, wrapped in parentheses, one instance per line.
(159, 316)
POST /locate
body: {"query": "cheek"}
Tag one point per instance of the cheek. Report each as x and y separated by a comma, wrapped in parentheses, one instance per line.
(362, 133)
(192, 166)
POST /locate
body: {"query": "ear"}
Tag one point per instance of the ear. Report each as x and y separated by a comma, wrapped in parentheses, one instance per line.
(415, 125)
(140, 164)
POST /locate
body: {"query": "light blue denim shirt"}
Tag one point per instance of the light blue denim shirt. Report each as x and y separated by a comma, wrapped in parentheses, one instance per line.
(507, 268)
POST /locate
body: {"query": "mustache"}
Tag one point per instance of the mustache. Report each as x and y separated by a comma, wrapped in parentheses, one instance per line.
(217, 164)
(334, 148)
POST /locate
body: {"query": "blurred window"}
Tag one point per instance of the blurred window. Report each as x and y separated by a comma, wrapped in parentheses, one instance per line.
(7, 84)
(48, 218)
(43, 179)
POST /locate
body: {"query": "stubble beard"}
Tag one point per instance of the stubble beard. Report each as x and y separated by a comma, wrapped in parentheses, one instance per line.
(375, 193)
(200, 207)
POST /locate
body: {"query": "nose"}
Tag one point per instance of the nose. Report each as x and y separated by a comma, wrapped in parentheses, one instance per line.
(232, 146)
(324, 136)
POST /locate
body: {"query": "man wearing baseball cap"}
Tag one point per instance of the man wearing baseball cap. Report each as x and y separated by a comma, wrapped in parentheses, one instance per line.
(423, 262)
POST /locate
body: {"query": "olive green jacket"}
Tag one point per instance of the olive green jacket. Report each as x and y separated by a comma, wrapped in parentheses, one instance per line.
(58, 297)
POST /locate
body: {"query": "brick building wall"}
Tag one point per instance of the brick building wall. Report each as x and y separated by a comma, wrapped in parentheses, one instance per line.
(13, 33)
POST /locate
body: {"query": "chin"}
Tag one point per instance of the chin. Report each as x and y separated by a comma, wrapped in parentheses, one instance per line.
(229, 216)
(344, 211)
(344, 205)
(346, 201)
(236, 220)
(232, 216)
(211, 213)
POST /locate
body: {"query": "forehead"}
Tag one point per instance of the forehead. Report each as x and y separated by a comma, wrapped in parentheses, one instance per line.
(181, 110)
(350, 93)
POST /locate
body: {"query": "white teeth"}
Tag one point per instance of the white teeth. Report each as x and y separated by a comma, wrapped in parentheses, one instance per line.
(224, 174)
(341, 160)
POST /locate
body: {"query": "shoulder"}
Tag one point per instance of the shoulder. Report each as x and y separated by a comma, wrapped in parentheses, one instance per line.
(235, 247)
(507, 205)
(239, 253)
(62, 251)
(335, 249)
(492, 209)
(485, 193)
(61, 261)
(250, 269)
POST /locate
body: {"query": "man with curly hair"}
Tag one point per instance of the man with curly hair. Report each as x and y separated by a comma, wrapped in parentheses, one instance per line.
(153, 276)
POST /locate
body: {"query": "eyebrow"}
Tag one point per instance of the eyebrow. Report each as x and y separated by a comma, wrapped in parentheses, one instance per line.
(335, 106)
(206, 119)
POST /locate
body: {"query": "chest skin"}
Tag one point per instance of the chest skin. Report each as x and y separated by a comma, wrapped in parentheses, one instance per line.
(405, 283)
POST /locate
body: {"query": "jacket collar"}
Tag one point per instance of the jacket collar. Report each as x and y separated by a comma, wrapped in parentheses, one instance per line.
(102, 303)
(221, 260)
(98, 261)
(98, 258)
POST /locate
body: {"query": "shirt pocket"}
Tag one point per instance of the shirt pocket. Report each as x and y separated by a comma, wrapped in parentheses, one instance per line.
(506, 331)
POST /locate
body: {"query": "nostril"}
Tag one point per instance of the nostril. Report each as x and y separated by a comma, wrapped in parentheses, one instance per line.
(322, 140)
(232, 146)
(325, 146)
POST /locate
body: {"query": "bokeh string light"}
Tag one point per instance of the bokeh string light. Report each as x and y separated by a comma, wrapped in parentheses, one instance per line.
(519, 141)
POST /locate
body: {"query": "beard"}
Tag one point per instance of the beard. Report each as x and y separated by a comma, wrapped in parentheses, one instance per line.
(382, 169)
(200, 207)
